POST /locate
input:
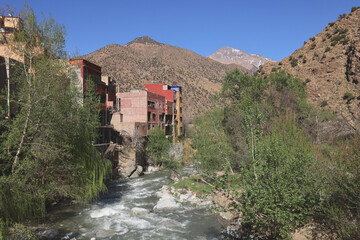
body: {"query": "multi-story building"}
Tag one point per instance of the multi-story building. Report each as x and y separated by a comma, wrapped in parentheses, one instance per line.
(173, 94)
(138, 112)
(105, 87)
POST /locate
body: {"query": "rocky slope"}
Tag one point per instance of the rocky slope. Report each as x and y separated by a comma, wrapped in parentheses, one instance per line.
(329, 64)
(228, 55)
(144, 60)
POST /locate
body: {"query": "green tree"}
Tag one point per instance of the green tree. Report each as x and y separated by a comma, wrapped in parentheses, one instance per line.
(158, 147)
(46, 152)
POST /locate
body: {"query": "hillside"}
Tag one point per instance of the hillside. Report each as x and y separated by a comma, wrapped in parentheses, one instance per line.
(144, 60)
(329, 64)
(228, 55)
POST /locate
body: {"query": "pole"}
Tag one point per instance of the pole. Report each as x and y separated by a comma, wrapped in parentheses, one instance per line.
(7, 64)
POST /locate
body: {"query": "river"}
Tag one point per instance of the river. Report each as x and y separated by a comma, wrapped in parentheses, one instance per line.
(110, 216)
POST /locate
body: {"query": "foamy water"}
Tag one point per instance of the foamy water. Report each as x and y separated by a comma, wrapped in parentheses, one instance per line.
(110, 217)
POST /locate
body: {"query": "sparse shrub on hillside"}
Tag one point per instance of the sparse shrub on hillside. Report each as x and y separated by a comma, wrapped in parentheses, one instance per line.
(307, 80)
(300, 56)
(312, 39)
(327, 49)
(304, 60)
(323, 57)
(341, 16)
(331, 24)
(312, 46)
(354, 9)
(323, 103)
(280, 63)
(294, 62)
(328, 35)
(273, 69)
(305, 42)
(348, 96)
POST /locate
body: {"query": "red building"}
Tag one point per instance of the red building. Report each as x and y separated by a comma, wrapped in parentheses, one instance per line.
(139, 112)
(105, 87)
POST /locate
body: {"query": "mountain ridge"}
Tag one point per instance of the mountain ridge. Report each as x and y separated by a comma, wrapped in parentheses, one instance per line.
(144, 60)
(329, 65)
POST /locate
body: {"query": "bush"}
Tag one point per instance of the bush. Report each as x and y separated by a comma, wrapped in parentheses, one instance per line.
(348, 96)
(323, 103)
(280, 191)
(313, 46)
(312, 39)
(340, 212)
(327, 49)
(354, 9)
(294, 62)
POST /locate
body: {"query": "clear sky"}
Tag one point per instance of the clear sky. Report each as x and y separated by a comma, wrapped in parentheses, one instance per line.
(273, 29)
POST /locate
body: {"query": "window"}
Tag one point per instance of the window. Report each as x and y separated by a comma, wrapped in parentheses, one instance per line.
(103, 98)
(154, 116)
(151, 104)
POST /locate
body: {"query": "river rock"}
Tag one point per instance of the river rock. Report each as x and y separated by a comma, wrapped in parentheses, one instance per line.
(169, 223)
(152, 169)
(47, 234)
(226, 218)
(71, 236)
(136, 211)
(166, 201)
(138, 172)
(221, 200)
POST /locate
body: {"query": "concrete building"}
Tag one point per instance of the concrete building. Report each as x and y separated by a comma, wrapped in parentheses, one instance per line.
(172, 94)
(105, 87)
(139, 112)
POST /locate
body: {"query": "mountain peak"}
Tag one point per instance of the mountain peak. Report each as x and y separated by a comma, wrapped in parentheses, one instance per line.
(229, 55)
(144, 40)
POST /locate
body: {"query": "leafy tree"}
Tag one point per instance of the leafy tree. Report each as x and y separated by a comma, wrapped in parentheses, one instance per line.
(158, 146)
(214, 151)
(46, 151)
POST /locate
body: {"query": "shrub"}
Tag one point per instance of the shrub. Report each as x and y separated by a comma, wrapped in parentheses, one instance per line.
(354, 9)
(280, 63)
(280, 190)
(341, 16)
(294, 62)
(313, 46)
(348, 96)
(273, 69)
(340, 211)
(307, 80)
(331, 24)
(158, 146)
(327, 49)
(323, 103)
(305, 42)
(304, 60)
(312, 39)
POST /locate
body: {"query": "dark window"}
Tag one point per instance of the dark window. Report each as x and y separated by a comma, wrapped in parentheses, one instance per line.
(154, 116)
(103, 98)
(149, 114)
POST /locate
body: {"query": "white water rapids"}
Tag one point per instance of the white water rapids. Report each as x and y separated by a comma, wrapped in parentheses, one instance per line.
(110, 217)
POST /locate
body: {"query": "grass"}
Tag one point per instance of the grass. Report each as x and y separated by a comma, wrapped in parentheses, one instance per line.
(194, 184)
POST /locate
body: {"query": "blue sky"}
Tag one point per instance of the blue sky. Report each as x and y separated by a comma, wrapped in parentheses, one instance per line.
(273, 29)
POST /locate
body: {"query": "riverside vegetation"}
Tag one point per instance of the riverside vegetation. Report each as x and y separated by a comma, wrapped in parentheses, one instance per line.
(266, 141)
(46, 150)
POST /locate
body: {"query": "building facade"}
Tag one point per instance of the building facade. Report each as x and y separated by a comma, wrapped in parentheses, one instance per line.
(138, 112)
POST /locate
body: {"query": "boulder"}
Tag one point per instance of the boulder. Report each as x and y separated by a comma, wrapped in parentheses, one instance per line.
(136, 211)
(47, 234)
(169, 223)
(226, 218)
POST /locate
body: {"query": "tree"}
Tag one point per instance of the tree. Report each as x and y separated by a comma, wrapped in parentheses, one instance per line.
(47, 153)
(158, 146)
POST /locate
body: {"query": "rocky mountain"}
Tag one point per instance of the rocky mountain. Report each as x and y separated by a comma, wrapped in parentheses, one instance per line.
(329, 65)
(228, 55)
(144, 60)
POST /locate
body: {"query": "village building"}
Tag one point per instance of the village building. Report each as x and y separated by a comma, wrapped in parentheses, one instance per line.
(86, 71)
(139, 112)
(173, 96)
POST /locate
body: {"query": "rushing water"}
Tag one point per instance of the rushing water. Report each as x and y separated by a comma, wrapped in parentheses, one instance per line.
(110, 217)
